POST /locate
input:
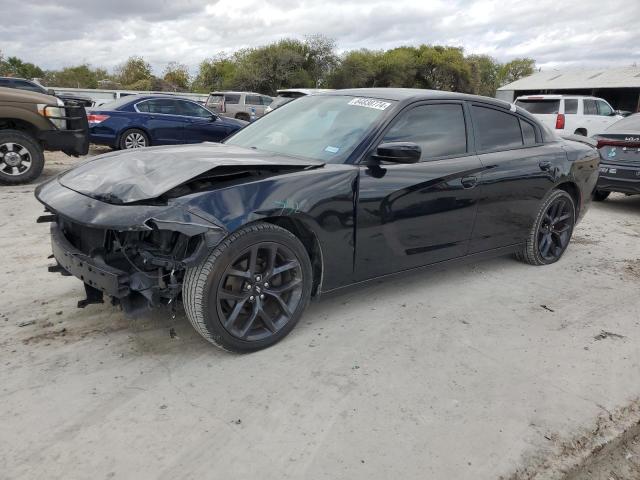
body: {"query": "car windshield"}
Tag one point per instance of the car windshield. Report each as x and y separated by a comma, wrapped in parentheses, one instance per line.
(629, 124)
(326, 128)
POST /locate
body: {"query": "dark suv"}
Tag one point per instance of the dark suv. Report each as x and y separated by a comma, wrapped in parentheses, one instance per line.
(31, 122)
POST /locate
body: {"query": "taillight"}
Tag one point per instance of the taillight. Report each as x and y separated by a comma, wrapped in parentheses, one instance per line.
(560, 121)
(95, 118)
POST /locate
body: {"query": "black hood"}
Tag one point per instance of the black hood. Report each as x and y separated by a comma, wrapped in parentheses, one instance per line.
(146, 173)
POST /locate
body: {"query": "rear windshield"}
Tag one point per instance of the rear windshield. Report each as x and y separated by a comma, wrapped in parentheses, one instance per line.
(539, 106)
(213, 100)
(629, 124)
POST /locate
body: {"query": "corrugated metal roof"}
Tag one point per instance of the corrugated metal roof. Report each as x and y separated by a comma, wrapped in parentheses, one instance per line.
(624, 77)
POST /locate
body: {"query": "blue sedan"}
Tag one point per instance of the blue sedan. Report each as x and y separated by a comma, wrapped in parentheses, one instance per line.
(145, 120)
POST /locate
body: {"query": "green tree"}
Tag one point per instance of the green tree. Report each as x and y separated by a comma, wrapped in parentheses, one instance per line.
(443, 68)
(177, 74)
(80, 76)
(133, 72)
(484, 74)
(216, 73)
(356, 69)
(516, 69)
(321, 58)
(14, 67)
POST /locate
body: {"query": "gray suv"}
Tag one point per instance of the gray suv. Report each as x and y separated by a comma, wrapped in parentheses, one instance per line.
(241, 105)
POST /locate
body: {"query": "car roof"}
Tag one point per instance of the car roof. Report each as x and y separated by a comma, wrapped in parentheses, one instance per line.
(233, 92)
(553, 97)
(415, 94)
(305, 91)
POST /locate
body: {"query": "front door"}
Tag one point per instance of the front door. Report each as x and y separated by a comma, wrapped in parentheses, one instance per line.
(200, 124)
(410, 215)
(160, 117)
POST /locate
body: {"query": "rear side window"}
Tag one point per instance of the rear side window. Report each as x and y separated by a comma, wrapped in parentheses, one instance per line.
(539, 106)
(589, 107)
(571, 106)
(528, 132)
(232, 99)
(167, 107)
(438, 129)
(495, 130)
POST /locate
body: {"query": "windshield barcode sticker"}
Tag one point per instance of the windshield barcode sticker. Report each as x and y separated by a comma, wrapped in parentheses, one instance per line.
(369, 103)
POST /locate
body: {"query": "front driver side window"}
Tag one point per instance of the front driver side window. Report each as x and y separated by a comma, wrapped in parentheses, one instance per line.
(604, 109)
(439, 129)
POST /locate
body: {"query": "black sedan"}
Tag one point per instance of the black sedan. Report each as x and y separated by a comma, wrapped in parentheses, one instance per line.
(619, 147)
(325, 192)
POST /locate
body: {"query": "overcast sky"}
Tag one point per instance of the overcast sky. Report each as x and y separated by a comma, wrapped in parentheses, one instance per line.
(556, 33)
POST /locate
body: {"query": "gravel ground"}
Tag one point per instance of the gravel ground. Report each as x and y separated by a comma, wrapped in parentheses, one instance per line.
(490, 370)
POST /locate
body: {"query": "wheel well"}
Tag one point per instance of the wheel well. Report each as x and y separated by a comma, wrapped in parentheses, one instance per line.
(242, 116)
(581, 131)
(573, 190)
(17, 124)
(311, 245)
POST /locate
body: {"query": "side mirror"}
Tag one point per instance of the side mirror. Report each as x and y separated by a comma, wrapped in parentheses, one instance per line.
(51, 91)
(213, 118)
(398, 152)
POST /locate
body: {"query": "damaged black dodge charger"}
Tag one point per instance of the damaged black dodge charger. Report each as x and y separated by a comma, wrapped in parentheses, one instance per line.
(327, 191)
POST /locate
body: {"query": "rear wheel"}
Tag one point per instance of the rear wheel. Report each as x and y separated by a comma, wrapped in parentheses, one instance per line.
(21, 157)
(600, 195)
(133, 138)
(243, 116)
(251, 290)
(551, 232)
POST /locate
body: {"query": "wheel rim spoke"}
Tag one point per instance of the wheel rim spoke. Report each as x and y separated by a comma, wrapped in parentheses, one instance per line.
(554, 229)
(259, 291)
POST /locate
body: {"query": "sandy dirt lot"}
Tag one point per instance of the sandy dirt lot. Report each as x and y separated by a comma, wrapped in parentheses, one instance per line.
(484, 371)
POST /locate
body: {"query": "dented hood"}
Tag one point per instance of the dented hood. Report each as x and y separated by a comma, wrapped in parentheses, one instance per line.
(142, 174)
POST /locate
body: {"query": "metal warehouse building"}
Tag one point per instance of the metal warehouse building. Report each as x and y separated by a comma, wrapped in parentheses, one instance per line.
(619, 86)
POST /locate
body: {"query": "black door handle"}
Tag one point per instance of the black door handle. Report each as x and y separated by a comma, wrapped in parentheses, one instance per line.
(545, 165)
(469, 182)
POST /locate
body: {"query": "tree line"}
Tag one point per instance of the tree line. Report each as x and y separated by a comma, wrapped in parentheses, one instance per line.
(310, 63)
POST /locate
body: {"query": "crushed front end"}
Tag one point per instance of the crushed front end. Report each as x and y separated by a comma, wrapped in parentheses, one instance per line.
(136, 255)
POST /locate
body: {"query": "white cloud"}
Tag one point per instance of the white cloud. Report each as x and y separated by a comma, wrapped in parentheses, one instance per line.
(556, 34)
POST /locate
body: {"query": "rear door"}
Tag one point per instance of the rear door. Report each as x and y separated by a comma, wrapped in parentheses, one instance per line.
(517, 175)
(409, 215)
(161, 118)
(201, 125)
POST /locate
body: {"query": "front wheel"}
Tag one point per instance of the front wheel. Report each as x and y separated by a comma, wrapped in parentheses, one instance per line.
(251, 290)
(600, 195)
(21, 157)
(551, 231)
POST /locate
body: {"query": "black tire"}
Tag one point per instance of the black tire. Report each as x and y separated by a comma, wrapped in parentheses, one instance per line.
(600, 195)
(213, 291)
(243, 116)
(133, 138)
(21, 157)
(546, 243)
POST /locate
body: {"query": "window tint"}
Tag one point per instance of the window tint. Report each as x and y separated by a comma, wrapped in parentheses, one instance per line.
(253, 100)
(5, 82)
(438, 129)
(571, 106)
(232, 99)
(165, 106)
(22, 85)
(191, 109)
(604, 109)
(266, 100)
(539, 106)
(589, 107)
(528, 132)
(495, 130)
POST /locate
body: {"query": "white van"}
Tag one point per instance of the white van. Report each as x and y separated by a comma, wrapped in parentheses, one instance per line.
(570, 114)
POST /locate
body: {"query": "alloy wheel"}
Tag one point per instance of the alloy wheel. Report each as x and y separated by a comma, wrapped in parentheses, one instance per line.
(135, 140)
(260, 291)
(555, 229)
(15, 159)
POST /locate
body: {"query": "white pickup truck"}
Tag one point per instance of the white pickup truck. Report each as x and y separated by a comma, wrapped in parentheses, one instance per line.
(570, 114)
